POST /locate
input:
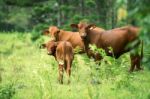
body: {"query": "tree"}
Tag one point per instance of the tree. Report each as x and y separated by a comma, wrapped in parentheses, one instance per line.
(106, 12)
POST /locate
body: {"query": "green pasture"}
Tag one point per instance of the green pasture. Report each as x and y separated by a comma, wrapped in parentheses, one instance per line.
(27, 72)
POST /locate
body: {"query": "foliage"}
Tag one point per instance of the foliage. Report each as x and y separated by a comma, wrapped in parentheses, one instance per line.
(139, 15)
(7, 92)
(28, 72)
(38, 15)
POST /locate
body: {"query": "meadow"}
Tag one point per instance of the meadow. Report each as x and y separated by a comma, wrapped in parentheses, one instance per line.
(27, 72)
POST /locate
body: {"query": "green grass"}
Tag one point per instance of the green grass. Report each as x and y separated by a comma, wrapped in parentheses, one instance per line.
(27, 72)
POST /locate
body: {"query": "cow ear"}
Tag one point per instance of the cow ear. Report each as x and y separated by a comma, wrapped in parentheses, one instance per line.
(58, 31)
(46, 32)
(74, 25)
(90, 26)
(42, 46)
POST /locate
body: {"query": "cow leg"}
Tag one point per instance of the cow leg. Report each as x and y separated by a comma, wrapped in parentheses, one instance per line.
(68, 70)
(133, 61)
(60, 73)
(97, 59)
(138, 63)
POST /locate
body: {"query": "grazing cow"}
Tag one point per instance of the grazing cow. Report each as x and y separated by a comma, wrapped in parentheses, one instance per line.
(61, 35)
(121, 40)
(63, 53)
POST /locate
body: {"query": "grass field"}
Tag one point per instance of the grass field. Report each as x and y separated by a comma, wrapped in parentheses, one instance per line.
(27, 72)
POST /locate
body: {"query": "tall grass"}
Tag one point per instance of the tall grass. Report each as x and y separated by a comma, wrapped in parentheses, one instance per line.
(27, 72)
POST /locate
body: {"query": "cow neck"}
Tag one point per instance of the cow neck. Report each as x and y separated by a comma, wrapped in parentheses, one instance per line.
(86, 41)
(58, 36)
(90, 36)
(54, 52)
(62, 32)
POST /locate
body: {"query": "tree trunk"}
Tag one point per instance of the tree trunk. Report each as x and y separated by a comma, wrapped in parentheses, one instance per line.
(106, 12)
(82, 7)
(130, 6)
(100, 5)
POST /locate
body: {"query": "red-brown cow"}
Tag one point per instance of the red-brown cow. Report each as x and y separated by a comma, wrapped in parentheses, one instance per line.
(63, 53)
(61, 35)
(82, 26)
(121, 40)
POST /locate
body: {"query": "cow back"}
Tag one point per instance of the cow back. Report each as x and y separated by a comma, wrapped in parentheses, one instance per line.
(72, 37)
(64, 51)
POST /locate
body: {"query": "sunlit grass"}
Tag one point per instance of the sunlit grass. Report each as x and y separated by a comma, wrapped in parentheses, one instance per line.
(33, 74)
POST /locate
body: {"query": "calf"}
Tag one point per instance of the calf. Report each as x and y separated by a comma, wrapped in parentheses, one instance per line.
(63, 53)
(61, 35)
(121, 40)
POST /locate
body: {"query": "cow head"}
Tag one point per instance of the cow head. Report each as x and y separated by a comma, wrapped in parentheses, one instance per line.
(50, 46)
(83, 28)
(52, 31)
(46, 32)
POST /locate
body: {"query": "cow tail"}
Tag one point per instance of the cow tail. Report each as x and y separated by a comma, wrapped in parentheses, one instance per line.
(141, 49)
(64, 50)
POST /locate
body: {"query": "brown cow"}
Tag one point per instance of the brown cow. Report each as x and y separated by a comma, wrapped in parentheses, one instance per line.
(82, 26)
(121, 40)
(61, 35)
(63, 53)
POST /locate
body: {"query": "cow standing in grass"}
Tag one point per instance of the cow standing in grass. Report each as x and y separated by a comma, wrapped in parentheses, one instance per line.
(62, 35)
(63, 53)
(81, 27)
(121, 40)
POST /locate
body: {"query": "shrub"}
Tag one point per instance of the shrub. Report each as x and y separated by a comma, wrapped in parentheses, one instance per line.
(7, 91)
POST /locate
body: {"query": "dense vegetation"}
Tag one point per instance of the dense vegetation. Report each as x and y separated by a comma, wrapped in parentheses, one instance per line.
(28, 72)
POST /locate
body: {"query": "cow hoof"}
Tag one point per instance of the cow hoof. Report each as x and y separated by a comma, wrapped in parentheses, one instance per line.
(68, 82)
(139, 69)
(130, 71)
(95, 82)
(60, 82)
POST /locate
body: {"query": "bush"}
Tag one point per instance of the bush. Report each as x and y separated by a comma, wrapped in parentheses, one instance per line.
(7, 91)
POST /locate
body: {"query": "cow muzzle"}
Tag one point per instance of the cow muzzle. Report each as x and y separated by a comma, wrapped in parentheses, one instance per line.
(53, 38)
(83, 35)
(49, 53)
